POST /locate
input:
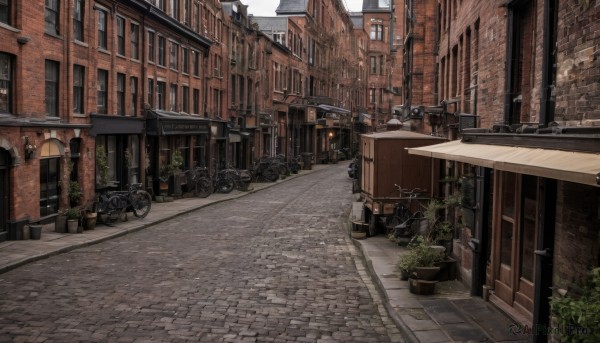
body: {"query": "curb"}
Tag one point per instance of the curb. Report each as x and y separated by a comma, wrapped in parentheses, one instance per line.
(407, 334)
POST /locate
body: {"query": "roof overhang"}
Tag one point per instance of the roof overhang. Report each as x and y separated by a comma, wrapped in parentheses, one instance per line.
(577, 167)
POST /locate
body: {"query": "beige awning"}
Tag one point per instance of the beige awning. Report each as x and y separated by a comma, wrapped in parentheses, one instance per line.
(569, 166)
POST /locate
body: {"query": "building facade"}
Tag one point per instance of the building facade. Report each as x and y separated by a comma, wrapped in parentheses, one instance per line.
(518, 90)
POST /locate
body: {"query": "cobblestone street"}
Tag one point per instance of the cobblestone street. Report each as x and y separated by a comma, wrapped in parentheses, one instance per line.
(273, 266)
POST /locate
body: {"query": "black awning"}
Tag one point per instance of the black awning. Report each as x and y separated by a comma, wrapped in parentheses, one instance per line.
(112, 124)
(334, 109)
(162, 123)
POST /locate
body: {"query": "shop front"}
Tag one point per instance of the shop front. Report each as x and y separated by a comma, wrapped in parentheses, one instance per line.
(175, 143)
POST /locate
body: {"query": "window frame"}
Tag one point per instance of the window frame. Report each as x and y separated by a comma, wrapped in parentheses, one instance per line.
(151, 47)
(133, 99)
(174, 56)
(162, 50)
(134, 39)
(6, 15)
(102, 29)
(78, 20)
(52, 17)
(161, 89)
(121, 90)
(78, 89)
(121, 36)
(102, 91)
(6, 82)
(52, 99)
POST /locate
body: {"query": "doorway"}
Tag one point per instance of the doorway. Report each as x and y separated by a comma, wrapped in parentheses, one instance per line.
(4, 193)
(518, 228)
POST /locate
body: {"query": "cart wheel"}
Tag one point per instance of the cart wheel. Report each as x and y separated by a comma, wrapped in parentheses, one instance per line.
(373, 221)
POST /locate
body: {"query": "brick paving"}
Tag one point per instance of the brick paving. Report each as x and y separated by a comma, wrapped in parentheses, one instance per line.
(273, 266)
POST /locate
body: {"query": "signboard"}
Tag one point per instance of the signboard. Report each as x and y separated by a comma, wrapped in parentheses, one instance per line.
(311, 115)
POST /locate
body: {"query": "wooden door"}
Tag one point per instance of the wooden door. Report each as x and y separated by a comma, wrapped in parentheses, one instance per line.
(517, 227)
(4, 194)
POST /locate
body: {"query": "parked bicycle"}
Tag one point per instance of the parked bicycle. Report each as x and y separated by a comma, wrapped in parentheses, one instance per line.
(200, 182)
(407, 216)
(112, 204)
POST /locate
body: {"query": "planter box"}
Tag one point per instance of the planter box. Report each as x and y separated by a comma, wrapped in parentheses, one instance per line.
(421, 287)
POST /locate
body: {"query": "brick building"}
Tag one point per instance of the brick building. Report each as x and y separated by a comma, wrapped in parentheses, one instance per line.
(518, 88)
(143, 81)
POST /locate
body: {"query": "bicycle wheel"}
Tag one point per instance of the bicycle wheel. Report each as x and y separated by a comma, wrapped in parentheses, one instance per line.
(141, 202)
(270, 174)
(225, 185)
(203, 187)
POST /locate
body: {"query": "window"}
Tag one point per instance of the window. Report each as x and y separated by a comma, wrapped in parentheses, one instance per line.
(174, 56)
(185, 63)
(186, 12)
(78, 12)
(373, 65)
(161, 4)
(120, 94)
(196, 101)
(102, 27)
(51, 88)
(102, 91)
(161, 89)
(162, 42)
(78, 84)
(150, 91)
(6, 78)
(49, 183)
(197, 17)
(121, 36)
(174, 9)
(196, 62)
(218, 62)
(134, 36)
(151, 48)
(372, 93)
(52, 17)
(173, 98)
(185, 99)
(133, 89)
(376, 32)
(6, 12)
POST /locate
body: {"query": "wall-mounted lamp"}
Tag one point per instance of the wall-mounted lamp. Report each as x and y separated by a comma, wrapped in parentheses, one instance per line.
(29, 148)
(23, 40)
(330, 134)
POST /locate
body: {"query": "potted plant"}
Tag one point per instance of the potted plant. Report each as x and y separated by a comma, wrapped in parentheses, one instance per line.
(60, 223)
(576, 315)
(176, 164)
(73, 216)
(74, 192)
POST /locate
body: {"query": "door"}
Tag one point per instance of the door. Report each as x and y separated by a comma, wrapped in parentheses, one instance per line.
(4, 194)
(516, 238)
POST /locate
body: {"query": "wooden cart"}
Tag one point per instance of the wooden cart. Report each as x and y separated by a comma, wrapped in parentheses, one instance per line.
(386, 162)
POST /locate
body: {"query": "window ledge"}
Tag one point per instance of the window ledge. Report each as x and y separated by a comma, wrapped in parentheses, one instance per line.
(9, 28)
(104, 51)
(78, 42)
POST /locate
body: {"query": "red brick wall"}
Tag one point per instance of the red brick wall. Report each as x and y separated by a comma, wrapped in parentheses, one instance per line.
(577, 243)
(578, 86)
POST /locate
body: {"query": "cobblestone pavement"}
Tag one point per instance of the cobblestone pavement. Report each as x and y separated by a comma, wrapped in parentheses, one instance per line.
(273, 266)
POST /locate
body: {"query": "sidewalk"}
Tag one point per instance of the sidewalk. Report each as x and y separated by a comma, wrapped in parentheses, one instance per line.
(450, 315)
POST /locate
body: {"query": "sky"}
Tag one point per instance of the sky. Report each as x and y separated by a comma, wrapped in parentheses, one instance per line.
(268, 7)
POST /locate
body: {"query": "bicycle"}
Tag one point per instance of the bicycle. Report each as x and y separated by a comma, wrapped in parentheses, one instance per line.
(112, 204)
(404, 218)
(200, 182)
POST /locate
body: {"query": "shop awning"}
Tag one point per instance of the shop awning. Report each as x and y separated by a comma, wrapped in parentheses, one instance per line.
(578, 167)
(114, 125)
(159, 123)
(334, 109)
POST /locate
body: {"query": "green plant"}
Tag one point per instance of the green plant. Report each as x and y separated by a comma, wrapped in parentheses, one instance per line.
(177, 161)
(72, 214)
(102, 166)
(421, 255)
(74, 192)
(578, 317)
